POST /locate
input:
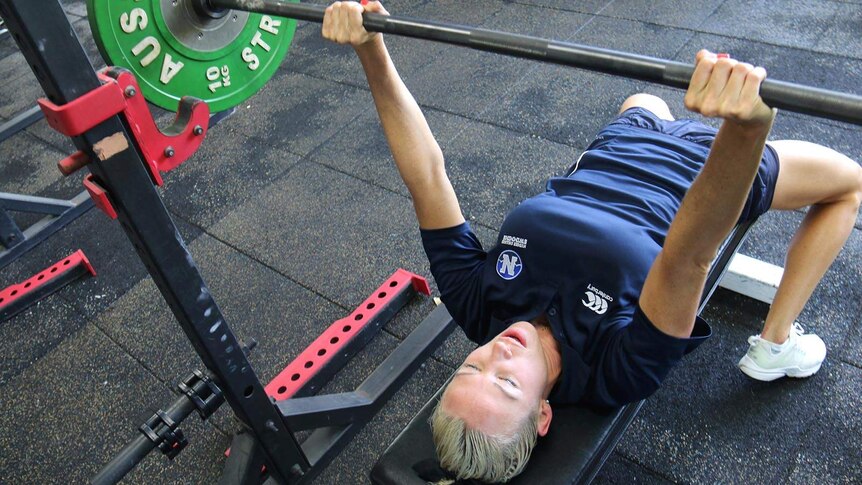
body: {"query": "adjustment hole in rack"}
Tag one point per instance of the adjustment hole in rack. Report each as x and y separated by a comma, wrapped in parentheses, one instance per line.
(369, 306)
(282, 389)
(346, 328)
(41, 277)
(321, 352)
(27, 284)
(308, 364)
(382, 294)
(294, 377)
(14, 292)
(66, 262)
(1, 300)
(248, 391)
(53, 270)
(358, 317)
(393, 284)
(333, 340)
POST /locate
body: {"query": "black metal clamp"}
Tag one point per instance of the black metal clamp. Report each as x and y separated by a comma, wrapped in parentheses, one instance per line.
(203, 392)
(165, 433)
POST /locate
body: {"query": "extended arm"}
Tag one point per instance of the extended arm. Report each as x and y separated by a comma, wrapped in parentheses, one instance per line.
(728, 89)
(417, 154)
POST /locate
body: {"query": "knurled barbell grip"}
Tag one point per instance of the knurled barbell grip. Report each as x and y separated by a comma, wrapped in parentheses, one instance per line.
(779, 94)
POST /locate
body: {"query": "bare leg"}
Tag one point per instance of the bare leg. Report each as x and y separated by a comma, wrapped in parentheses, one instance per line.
(648, 102)
(831, 184)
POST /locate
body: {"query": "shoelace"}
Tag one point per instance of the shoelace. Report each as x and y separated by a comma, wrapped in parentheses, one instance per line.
(795, 329)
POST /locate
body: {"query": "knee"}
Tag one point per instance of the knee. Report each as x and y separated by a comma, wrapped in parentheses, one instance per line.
(852, 197)
(856, 194)
(649, 102)
(849, 178)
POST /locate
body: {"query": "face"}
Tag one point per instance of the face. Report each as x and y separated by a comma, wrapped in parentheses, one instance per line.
(501, 382)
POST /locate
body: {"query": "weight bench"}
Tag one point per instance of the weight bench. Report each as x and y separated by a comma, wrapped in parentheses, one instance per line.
(580, 439)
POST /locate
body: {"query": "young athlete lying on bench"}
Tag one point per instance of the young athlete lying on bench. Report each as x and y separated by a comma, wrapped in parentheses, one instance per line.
(591, 292)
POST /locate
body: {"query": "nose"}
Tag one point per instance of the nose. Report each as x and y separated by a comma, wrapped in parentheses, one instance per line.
(502, 350)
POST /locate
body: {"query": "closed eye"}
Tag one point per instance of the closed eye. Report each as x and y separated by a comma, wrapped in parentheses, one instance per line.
(504, 379)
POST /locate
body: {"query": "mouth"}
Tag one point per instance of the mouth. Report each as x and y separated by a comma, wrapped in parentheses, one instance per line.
(517, 336)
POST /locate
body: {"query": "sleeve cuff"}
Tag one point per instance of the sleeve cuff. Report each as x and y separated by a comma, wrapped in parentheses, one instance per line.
(462, 228)
(674, 345)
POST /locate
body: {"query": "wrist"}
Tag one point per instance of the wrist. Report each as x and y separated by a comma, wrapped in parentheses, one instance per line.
(373, 56)
(750, 129)
(370, 47)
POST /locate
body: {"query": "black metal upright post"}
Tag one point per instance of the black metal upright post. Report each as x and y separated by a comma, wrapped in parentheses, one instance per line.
(51, 48)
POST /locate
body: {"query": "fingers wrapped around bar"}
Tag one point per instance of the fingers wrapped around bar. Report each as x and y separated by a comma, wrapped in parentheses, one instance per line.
(723, 87)
(342, 22)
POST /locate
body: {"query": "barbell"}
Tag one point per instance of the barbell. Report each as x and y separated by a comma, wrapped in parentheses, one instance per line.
(224, 51)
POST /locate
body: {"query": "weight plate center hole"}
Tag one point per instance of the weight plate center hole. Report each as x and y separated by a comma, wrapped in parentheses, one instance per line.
(197, 26)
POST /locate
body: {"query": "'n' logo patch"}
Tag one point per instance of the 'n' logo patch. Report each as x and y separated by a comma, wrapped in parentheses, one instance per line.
(509, 265)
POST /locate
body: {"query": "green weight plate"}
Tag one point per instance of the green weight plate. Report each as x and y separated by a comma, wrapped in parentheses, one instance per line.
(174, 51)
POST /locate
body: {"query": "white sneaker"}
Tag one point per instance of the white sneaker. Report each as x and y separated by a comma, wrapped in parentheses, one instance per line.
(799, 356)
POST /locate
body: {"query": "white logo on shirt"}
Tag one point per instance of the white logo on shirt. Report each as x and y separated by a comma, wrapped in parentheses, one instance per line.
(596, 299)
(599, 292)
(595, 303)
(518, 242)
(509, 265)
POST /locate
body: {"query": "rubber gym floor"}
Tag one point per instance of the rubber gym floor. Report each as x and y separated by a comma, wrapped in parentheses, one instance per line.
(294, 212)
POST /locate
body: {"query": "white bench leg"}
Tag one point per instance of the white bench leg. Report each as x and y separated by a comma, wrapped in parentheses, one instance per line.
(752, 278)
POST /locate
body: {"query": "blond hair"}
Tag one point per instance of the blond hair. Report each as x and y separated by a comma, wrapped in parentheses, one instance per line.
(471, 454)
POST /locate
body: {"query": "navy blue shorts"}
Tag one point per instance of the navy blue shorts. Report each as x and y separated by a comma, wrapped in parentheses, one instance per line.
(762, 190)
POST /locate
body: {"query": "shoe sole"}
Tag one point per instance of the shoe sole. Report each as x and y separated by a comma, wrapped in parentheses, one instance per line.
(771, 375)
